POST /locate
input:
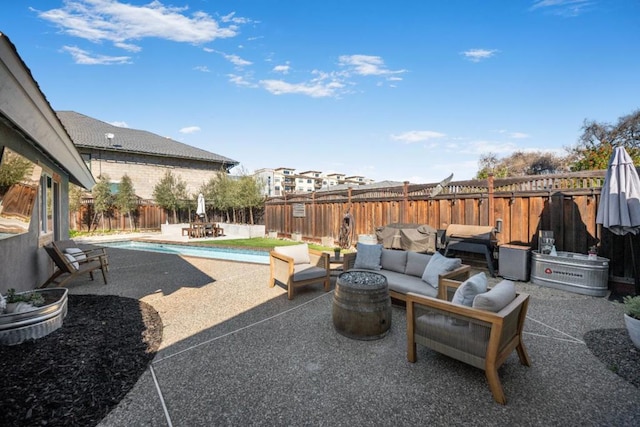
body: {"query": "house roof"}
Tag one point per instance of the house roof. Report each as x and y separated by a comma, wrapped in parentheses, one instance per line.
(24, 107)
(88, 132)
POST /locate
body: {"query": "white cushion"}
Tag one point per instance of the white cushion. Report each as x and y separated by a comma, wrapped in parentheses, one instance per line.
(497, 298)
(72, 261)
(438, 264)
(77, 253)
(467, 291)
(299, 253)
(368, 256)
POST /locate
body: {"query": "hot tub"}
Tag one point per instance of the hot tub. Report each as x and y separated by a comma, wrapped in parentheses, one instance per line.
(571, 272)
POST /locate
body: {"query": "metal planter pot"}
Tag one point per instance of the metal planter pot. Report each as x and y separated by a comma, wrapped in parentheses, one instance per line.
(16, 328)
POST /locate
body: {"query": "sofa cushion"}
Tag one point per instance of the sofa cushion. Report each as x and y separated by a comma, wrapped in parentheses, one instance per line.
(438, 265)
(308, 271)
(393, 260)
(416, 263)
(299, 253)
(467, 291)
(403, 283)
(497, 298)
(368, 256)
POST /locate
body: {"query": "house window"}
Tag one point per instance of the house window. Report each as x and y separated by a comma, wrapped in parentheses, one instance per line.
(308, 181)
(46, 204)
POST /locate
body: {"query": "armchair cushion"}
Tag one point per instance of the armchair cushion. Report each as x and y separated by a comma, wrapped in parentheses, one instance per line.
(299, 253)
(416, 263)
(497, 298)
(307, 271)
(72, 261)
(393, 260)
(368, 256)
(438, 264)
(467, 291)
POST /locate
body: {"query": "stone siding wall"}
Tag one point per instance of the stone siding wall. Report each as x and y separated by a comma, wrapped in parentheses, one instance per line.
(146, 171)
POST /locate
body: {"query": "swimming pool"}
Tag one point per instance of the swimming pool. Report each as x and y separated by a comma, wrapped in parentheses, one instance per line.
(229, 254)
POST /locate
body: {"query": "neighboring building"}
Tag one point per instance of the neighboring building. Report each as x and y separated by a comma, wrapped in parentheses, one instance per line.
(31, 132)
(143, 156)
(278, 181)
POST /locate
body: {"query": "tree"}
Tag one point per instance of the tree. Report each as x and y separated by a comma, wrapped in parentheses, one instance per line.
(596, 144)
(76, 195)
(250, 194)
(520, 163)
(126, 200)
(102, 197)
(14, 169)
(171, 193)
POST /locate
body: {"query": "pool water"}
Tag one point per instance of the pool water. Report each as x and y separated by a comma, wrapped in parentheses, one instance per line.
(229, 254)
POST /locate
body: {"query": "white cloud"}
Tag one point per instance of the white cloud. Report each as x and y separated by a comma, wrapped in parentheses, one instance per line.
(315, 88)
(240, 80)
(366, 65)
(417, 136)
(284, 69)
(85, 58)
(237, 61)
(202, 68)
(477, 55)
(122, 23)
(562, 7)
(190, 129)
(519, 135)
(119, 124)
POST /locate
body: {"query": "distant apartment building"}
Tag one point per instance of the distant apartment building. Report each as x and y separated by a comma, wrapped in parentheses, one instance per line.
(279, 181)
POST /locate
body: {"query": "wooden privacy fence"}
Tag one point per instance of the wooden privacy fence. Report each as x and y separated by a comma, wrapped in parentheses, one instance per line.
(563, 203)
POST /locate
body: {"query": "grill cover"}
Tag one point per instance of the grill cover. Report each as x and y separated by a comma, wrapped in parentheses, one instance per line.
(408, 237)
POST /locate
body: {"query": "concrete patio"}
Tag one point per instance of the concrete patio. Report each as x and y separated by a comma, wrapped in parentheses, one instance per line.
(236, 352)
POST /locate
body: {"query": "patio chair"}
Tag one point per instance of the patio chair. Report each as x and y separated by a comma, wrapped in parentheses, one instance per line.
(296, 266)
(481, 337)
(69, 266)
(77, 250)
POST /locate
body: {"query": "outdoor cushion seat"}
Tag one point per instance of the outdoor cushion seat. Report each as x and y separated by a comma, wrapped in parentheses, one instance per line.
(67, 266)
(297, 265)
(482, 337)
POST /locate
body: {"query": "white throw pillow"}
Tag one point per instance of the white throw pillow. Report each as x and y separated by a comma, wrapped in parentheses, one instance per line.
(72, 261)
(299, 253)
(368, 256)
(438, 265)
(467, 291)
(77, 253)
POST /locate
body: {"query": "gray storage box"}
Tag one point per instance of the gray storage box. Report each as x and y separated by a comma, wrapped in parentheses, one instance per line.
(571, 272)
(513, 262)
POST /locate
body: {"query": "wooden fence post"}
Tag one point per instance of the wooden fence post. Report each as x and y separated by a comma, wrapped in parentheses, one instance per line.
(490, 215)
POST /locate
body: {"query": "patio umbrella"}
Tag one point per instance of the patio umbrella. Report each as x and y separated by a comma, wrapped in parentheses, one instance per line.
(200, 210)
(619, 209)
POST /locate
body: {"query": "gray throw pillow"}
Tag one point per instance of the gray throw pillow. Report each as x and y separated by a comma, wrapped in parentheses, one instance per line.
(497, 298)
(368, 256)
(438, 265)
(467, 291)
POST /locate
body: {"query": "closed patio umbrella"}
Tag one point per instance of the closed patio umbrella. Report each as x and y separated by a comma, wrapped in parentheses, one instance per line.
(200, 210)
(619, 209)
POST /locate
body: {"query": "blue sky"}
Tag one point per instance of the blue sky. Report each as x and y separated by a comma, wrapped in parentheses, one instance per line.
(392, 90)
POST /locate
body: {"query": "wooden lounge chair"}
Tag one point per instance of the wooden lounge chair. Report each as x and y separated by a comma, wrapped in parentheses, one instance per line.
(483, 338)
(89, 251)
(68, 267)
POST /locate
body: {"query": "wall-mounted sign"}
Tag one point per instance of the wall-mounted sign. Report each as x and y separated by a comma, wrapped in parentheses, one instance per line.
(298, 210)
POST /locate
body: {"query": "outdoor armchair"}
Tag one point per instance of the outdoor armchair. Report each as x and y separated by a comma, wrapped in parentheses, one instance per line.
(297, 265)
(68, 266)
(479, 337)
(89, 251)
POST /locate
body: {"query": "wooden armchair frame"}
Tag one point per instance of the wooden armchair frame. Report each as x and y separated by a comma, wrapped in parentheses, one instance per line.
(90, 251)
(282, 269)
(65, 270)
(505, 332)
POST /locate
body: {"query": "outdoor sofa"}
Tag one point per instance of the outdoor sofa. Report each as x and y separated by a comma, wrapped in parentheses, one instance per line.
(406, 271)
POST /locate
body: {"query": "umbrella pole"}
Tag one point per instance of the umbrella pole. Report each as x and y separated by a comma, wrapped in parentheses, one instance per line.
(636, 278)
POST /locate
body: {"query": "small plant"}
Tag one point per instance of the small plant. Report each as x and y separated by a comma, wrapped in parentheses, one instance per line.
(632, 306)
(593, 249)
(33, 298)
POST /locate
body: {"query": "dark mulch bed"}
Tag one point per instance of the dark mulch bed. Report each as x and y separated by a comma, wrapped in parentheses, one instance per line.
(616, 351)
(77, 374)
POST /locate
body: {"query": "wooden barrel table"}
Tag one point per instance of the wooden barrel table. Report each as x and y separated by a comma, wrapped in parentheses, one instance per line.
(361, 305)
